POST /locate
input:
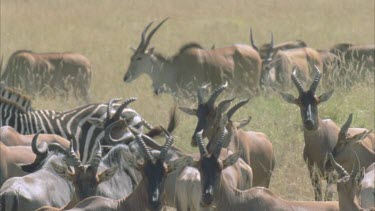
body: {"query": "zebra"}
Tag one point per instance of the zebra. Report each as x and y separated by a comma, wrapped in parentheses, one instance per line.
(15, 96)
(75, 122)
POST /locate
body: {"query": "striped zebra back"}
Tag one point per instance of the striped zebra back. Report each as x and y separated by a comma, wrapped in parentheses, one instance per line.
(15, 96)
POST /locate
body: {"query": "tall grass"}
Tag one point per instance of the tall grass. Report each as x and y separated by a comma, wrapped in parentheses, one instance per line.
(104, 30)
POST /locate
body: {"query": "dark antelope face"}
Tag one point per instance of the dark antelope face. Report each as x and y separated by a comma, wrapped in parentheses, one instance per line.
(307, 100)
(156, 173)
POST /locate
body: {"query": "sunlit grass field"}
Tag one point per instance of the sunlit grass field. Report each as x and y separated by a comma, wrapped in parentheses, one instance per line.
(103, 31)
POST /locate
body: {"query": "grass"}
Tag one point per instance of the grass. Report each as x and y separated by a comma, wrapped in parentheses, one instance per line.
(104, 30)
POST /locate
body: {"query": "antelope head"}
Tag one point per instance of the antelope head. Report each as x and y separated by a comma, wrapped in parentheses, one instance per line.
(141, 60)
(265, 51)
(307, 100)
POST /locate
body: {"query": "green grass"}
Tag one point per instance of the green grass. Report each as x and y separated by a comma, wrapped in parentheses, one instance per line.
(104, 30)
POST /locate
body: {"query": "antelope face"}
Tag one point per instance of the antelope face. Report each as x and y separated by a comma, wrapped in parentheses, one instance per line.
(210, 168)
(155, 172)
(139, 63)
(309, 110)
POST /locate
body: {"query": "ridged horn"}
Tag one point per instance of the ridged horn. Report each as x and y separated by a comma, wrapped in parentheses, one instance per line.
(98, 157)
(143, 38)
(42, 148)
(121, 108)
(72, 159)
(316, 81)
(340, 170)
(200, 143)
(215, 95)
(109, 107)
(168, 144)
(149, 36)
(252, 40)
(201, 92)
(219, 144)
(236, 107)
(356, 167)
(297, 82)
(142, 144)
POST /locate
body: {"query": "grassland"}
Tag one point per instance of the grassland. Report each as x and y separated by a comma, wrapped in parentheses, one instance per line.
(104, 30)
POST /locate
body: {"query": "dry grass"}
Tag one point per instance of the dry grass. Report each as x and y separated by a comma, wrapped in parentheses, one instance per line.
(103, 31)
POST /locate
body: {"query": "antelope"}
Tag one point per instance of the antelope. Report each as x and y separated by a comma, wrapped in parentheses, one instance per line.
(349, 185)
(238, 64)
(257, 149)
(219, 194)
(148, 195)
(368, 187)
(34, 72)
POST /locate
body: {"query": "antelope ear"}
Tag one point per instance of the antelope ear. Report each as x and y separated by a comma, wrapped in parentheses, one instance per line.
(107, 174)
(190, 111)
(325, 96)
(151, 50)
(133, 49)
(180, 163)
(62, 171)
(232, 159)
(288, 97)
(242, 123)
(361, 136)
(96, 122)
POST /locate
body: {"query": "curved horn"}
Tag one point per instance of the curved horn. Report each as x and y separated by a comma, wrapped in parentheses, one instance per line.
(340, 170)
(219, 144)
(316, 81)
(123, 139)
(120, 109)
(356, 167)
(57, 147)
(199, 140)
(271, 43)
(72, 159)
(109, 107)
(345, 127)
(201, 92)
(97, 158)
(143, 37)
(296, 81)
(216, 94)
(147, 42)
(142, 144)
(236, 107)
(168, 144)
(146, 124)
(223, 105)
(252, 40)
(40, 150)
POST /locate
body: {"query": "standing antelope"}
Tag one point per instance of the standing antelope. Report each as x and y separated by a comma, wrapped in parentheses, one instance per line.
(192, 65)
(257, 149)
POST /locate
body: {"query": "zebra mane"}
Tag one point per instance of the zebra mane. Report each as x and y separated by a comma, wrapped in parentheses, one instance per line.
(13, 104)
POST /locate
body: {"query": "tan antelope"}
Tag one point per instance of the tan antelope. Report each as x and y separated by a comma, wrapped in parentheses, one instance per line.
(38, 72)
(85, 178)
(220, 195)
(356, 141)
(256, 147)
(192, 65)
(149, 194)
(349, 186)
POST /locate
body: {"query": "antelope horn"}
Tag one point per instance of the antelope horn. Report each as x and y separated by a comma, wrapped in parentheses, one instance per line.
(340, 170)
(98, 157)
(219, 144)
(223, 105)
(345, 127)
(72, 158)
(252, 40)
(236, 107)
(142, 144)
(357, 166)
(123, 139)
(143, 35)
(147, 42)
(296, 81)
(119, 111)
(316, 81)
(40, 150)
(200, 93)
(271, 43)
(146, 124)
(199, 140)
(109, 107)
(168, 144)
(216, 94)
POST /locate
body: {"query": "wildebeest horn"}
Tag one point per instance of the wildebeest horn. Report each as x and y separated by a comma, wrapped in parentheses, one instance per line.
(143, 37)
(252, 40)
(296, 81)
(199, 140)
(217, 92)
(97, 158)
(201, 92)
(147, 42)
(356, 167)
(316, 81)
(123, 139)
(120, 109)
(72, 159)
(168, 144)
(219, 144)
(109, 107)
(40, 150)
(236, 107)
(340, 170)
(142, 144)
(345, 127)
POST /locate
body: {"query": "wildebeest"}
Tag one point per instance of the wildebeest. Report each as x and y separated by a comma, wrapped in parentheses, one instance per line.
(40, 72)
(193, 65)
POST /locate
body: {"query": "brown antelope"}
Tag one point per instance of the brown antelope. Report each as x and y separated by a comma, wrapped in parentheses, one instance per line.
(238, 64)
(149, 193)
(85, 178)
(34, 72)
(349, 186)
(359, 141)
(219, 194)
(257, 149)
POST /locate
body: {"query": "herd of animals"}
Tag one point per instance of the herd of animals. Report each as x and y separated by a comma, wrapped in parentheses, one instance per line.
(104, 156)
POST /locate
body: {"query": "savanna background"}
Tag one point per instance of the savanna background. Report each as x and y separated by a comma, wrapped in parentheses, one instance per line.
(103, 31)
